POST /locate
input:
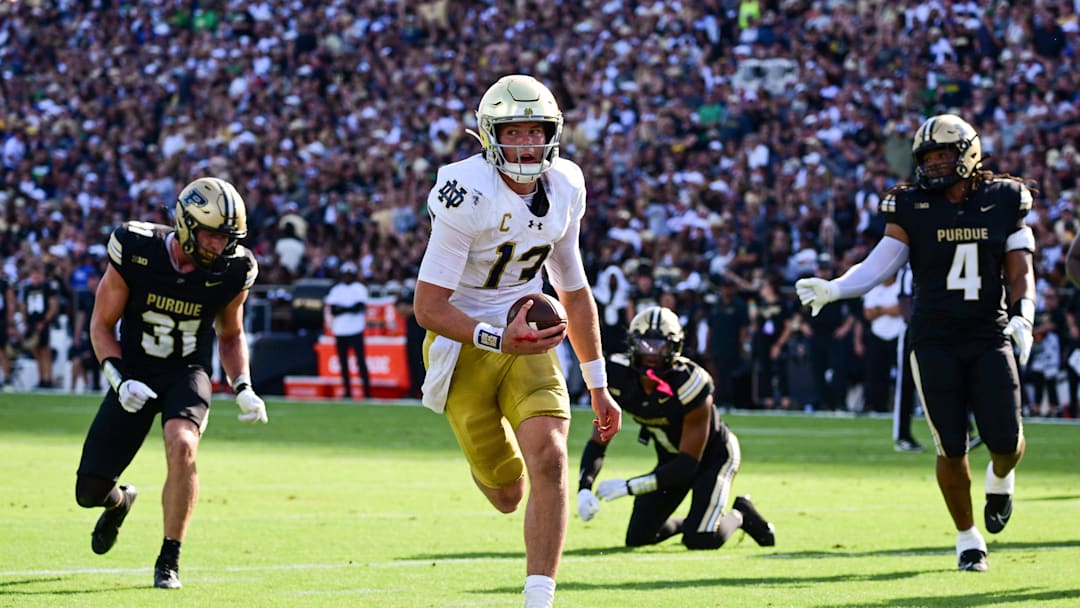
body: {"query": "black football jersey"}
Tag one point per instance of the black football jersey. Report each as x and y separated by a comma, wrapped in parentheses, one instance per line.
(661, 414)
(36, 298)
(169, 318)
(957, 256)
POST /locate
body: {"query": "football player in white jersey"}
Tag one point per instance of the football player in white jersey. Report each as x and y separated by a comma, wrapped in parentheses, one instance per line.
(498, 219)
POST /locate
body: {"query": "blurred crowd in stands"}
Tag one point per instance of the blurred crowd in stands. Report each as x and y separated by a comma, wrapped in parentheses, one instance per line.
(730, 147)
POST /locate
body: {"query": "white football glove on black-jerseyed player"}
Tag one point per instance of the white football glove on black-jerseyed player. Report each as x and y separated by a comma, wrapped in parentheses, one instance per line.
(252, 407)
(1020, 330)
(134, 395)
(816, 293)
(610, 489)
(587, 505)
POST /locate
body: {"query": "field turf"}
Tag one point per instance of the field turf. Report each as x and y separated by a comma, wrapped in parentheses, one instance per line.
(371, 505)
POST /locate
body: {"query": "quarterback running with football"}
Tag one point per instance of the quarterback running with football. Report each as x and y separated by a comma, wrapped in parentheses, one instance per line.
(962, 228)
(498, 219)
(671, 397)
(171, 289)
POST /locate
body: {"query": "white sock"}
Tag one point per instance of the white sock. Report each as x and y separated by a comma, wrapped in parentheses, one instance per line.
(999, 485)
(539, 591)
(969, 539)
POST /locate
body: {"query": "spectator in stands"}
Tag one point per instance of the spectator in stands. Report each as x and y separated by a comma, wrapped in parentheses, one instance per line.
(289, 125)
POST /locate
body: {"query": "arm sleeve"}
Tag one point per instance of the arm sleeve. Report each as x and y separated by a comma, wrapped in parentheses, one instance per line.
(881, 263)
(591, 461)
(677, 473)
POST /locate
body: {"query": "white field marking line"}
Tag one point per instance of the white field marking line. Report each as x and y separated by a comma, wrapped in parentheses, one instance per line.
(695, 556)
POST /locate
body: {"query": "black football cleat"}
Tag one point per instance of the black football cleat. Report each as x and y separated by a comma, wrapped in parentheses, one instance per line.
(166, 576)
(108, 525)
(973, 560)
(754, 524)
(997, 512)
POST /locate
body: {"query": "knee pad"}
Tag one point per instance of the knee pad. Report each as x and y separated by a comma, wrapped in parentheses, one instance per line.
(92, 491)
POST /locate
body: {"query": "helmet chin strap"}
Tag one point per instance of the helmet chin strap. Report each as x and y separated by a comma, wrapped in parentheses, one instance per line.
(519, 175)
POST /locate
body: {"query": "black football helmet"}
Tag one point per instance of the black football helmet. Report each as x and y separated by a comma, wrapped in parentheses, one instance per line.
(656, 338)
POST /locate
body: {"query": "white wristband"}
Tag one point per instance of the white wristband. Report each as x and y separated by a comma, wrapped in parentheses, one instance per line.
(240, 382)
(487, 337)
(595, 373)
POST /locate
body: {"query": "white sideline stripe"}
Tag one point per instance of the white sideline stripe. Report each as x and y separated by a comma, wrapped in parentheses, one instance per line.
(427, 563)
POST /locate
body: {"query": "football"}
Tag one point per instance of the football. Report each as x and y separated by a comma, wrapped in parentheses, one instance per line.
(546, 311)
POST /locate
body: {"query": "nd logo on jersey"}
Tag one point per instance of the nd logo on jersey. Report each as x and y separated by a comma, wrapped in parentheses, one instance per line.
(451, 194)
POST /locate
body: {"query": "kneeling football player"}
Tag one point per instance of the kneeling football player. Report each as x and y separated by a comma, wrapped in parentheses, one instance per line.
(671, 397)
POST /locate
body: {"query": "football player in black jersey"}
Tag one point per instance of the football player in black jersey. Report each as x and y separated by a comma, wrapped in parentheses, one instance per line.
(171, 289)
(40, 304)
(670, 396)
(962, 228)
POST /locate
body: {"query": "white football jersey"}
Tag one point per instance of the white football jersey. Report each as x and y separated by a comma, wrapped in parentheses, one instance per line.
(509, 245)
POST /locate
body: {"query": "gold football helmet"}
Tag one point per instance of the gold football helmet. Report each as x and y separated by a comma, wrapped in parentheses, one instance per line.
(656, 337)
(943, 131)
(519, 98)
(211, 204)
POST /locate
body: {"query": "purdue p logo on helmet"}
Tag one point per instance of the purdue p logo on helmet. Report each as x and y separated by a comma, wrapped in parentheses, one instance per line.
(947, 131)
(213, 205)
(656, 337)
(519, 98)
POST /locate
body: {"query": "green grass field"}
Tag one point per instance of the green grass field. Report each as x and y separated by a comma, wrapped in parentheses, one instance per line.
(372, 505)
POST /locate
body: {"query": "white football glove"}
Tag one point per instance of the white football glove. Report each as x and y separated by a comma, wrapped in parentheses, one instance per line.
(1019, 329)
(252, 406)
(587, 505)
(134, 395)
(610, 489)
(816, 293)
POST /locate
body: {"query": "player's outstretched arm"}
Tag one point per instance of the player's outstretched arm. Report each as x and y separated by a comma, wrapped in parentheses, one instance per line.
(883, 261)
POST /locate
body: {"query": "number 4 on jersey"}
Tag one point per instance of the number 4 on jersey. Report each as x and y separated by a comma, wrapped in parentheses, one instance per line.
(964, 271)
